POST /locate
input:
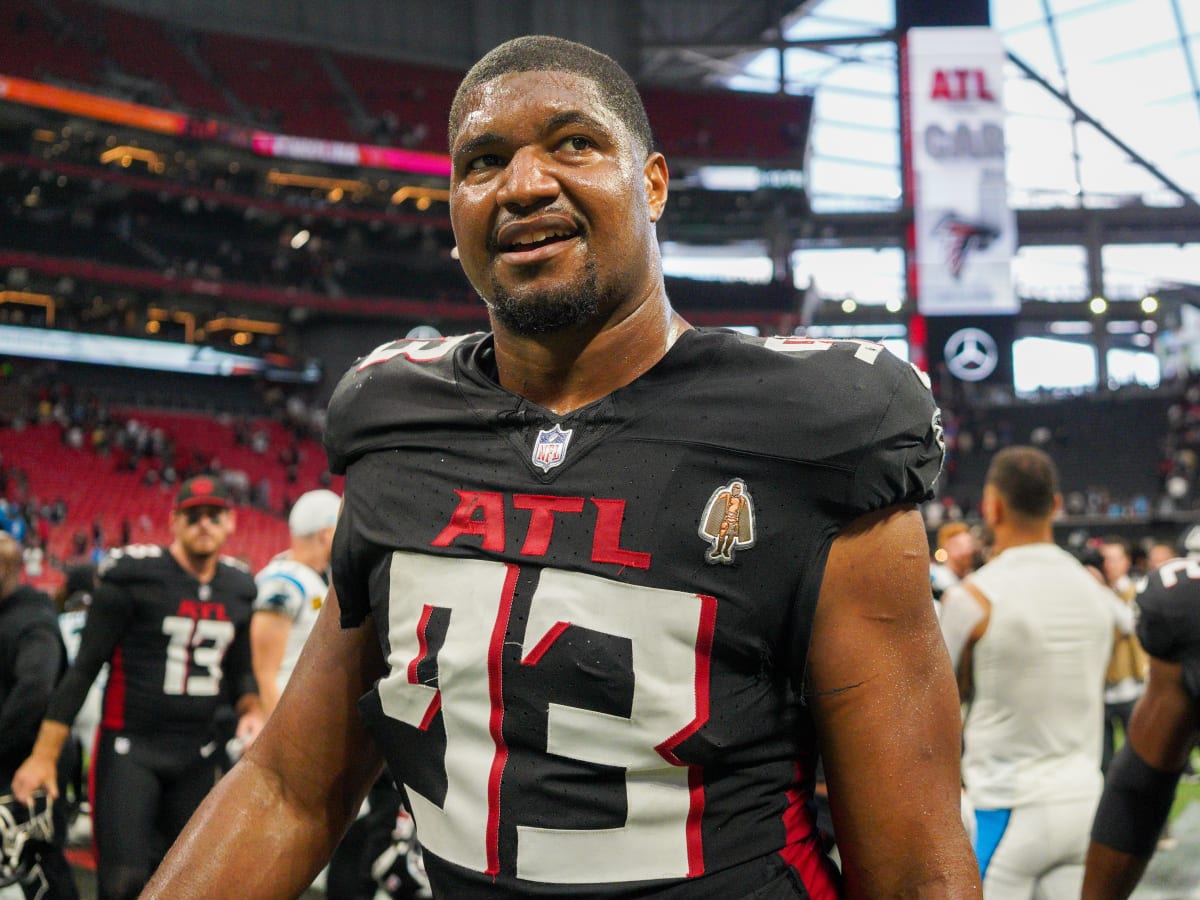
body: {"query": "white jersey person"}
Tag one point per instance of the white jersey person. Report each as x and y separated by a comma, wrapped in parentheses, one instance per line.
(1030, 634)
(291, 588)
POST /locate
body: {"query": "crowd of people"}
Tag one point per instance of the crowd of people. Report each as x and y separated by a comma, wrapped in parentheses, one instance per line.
(598, 621)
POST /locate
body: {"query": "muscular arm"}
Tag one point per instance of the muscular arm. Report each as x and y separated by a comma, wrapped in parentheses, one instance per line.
(884, 700)
(272, 822)
(1162, 731)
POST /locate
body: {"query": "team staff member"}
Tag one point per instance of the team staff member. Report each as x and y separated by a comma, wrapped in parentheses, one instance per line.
(32, 658)
(1031, 633)
(587, 687)
(291, 588)
(1140, 785)
(173, 625)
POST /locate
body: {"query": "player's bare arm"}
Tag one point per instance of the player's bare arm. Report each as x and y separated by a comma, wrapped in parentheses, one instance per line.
(1162, 732)
(271, 822)
(886, 706)
(269, 632)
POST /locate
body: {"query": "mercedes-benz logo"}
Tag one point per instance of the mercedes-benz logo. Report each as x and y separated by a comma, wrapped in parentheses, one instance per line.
(971, 354)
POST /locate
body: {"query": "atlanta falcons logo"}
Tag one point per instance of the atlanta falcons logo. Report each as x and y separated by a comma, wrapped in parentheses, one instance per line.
(960, 237)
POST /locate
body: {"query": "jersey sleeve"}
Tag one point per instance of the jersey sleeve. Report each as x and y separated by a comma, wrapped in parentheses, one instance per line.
(348, 569)
(1169, 618)
(108, 617)
(902, 459)
(279, 592)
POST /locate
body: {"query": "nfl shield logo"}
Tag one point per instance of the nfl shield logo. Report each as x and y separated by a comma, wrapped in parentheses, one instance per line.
(550, 448)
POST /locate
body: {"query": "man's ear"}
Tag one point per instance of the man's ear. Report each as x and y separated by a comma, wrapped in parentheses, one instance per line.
(991, 506)
(657, 179)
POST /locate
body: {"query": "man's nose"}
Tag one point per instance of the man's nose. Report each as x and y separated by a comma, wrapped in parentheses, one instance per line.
(528, 180)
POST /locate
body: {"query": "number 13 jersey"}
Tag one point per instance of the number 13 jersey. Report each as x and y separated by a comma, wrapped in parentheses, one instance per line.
(596, 625)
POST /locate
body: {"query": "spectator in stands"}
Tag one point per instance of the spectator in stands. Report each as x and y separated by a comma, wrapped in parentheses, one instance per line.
(173, 624)
(1126, 676)
(956, 556)
(1157, 554)
(1030, 634)
(32, 659)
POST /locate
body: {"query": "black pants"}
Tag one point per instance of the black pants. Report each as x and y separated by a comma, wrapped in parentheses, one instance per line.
(144, 791)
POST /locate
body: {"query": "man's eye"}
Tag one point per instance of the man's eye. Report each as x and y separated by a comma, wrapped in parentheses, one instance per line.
(486, 161)
(578, 143)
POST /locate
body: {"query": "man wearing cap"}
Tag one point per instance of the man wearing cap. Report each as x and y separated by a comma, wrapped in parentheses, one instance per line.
(1140, 784)
(173, 624)
(291, 588)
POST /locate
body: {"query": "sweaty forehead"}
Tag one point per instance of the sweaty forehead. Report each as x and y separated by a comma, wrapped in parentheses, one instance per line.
(536, 92)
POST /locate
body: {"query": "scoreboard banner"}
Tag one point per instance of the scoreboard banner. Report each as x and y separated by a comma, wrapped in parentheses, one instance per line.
(964, 234)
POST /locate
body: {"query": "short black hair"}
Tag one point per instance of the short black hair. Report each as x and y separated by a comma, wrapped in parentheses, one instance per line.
(1026, 478)
(542, 53)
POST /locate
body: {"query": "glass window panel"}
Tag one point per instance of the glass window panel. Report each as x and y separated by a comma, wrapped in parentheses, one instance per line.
(839, 186)
(804, 66)
(856, 107)
(1025, 97)
(1133, 367)
(1092, 36)
(870, 277)
(741, 262)
(1133, 270)
(1067, 9)
(1048, 364)
(1014, 15)
(844, 18)
(838, 141)
(1109, 173)
(1040, 156)
(1051, 273)
(1033, 46)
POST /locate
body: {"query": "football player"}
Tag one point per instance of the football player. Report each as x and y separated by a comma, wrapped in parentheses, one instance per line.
(173, 625)
(1140, 785)
(576, 696)
(291, 588)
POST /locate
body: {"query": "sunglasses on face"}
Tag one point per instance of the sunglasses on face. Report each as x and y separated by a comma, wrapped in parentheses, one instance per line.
(213, 514)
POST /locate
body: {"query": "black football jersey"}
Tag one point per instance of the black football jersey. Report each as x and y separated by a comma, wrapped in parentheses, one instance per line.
(1169, 618)
(597, 624)
(177, 649)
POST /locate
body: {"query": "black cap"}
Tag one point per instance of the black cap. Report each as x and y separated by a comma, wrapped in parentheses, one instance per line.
(203, 490)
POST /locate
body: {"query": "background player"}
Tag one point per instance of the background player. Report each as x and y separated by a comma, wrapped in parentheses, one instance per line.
(291, 588)
(1140, 785)
(576, 701)
(173, 624)
(32, 658)
(1031, 633)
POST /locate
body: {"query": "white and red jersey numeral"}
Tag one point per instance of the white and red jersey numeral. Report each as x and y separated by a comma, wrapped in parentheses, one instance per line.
(416, 350)
(670, 633)
(195, 644)
(478, 595)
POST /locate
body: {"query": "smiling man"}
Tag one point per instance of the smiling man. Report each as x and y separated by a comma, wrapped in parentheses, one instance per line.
(173, 624)
(528, 621)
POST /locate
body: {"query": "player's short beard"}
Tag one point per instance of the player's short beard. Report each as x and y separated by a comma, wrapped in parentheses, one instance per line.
(547, 312)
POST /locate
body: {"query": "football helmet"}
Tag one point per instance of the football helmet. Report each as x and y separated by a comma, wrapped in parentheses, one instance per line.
(20, 825)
